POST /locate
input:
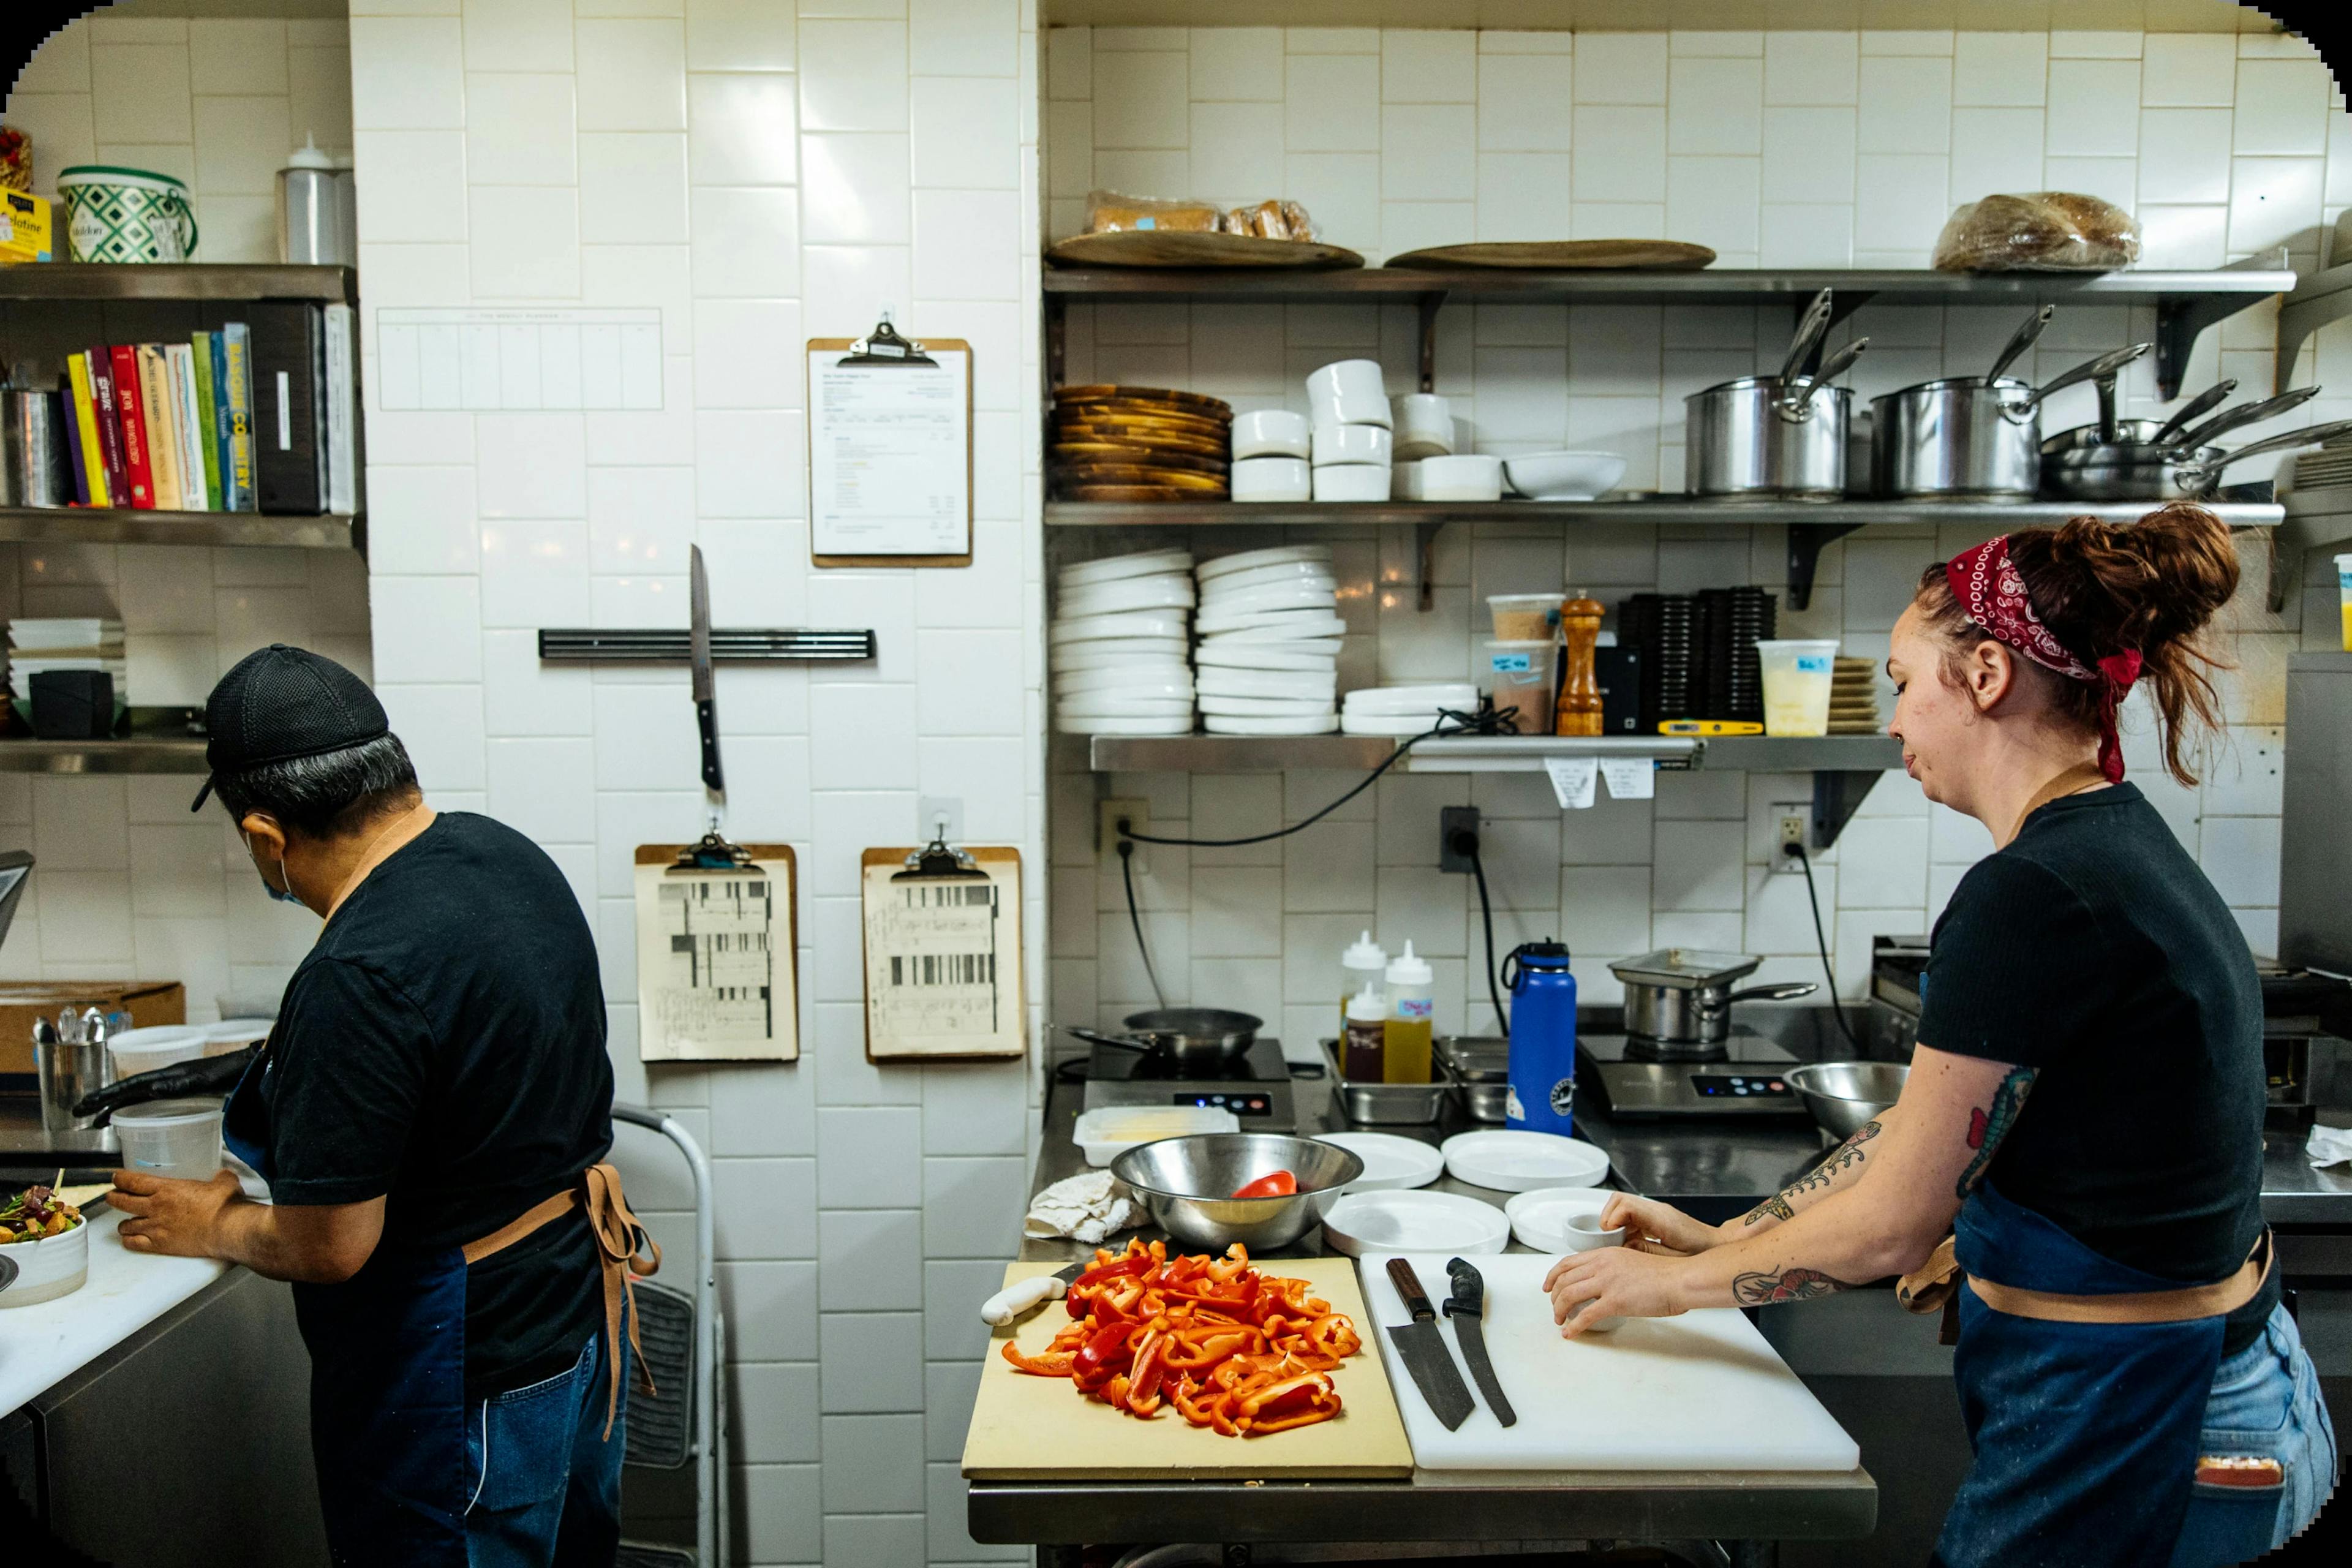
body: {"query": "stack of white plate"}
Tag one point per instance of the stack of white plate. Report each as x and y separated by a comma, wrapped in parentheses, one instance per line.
(1118, 645)
(1268, 660)
(1403, 710)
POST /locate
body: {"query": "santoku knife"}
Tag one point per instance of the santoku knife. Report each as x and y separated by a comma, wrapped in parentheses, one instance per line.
(1467, 1308)
(697, 652)
(1422, 1348)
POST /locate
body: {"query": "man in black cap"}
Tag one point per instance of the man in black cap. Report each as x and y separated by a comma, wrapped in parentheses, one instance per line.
(430, 1111)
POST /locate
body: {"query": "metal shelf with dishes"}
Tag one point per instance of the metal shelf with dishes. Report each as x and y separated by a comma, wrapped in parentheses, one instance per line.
(106, 525)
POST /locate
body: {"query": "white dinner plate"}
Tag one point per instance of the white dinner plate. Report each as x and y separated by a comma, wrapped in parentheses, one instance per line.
(1520, 1162)
(1276, 625)
(1298, 686)
(1539, 1218)
(1322, 723)
(1119, 684)
(1282, 572)
(1264, 707)
(1278, 555)
(1256, 653)
(1391, 1162)
(1112, 568)
(1078, 725)
(1168, 590)
(1396, 726)
(1137, 653)
(1132, 624)
(1362, 1223)
(1273, 596)
(1406, 701)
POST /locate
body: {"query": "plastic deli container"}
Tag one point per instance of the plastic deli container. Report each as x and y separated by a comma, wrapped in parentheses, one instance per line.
(231, 1035)
(52, 1267)
(160, 1046)
(178, 1138)
(1525, 617)
(1797, 672)
(1517, 673)
(1103, 1133)
(2344, 593)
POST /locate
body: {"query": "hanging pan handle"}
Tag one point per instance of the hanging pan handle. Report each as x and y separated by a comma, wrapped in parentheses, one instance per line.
(2286, 441)
(1795, 402)
(2089, 370)
(2021, 341)
(1809, 328)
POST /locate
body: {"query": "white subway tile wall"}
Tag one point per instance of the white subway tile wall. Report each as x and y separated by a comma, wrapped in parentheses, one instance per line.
(1823, 149)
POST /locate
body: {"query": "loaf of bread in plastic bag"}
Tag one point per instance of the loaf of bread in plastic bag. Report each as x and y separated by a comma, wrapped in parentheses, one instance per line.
(2053, 231)
(1108, 212)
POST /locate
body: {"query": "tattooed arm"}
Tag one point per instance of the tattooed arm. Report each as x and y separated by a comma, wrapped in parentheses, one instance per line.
(1841, 1168)
(1877, 1213)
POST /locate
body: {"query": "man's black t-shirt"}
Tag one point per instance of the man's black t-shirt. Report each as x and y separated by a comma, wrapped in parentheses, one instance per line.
(442, 1046)
(2092, 949)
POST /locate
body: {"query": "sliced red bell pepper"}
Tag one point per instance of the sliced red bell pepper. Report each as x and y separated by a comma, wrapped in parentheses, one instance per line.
(1049, 1365)
(1274, 1185)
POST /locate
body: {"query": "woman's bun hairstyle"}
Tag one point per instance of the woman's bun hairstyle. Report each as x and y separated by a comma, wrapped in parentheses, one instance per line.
(2105, 588)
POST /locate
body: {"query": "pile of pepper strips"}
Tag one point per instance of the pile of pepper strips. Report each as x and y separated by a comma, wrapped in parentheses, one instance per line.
(1239, 1351)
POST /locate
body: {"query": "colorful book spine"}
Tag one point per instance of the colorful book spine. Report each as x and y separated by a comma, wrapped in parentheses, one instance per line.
(81, 434)
(69, 434)
(138, 462)
(206, 430)
(108, 420)
(179, 375)
(155, 404)
(237, 355)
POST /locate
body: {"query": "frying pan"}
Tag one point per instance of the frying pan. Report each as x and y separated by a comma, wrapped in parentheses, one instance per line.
(2130, 470)
(1186, 1036)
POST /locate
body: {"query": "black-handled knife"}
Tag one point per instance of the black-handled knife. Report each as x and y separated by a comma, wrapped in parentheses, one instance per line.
(1467, 1308)
(1422, 1349)
(697, 653)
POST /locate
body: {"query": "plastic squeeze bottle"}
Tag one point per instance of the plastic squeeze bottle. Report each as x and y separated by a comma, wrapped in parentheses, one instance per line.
(1412, 1001)
(1364, 1049)
(1364, 963)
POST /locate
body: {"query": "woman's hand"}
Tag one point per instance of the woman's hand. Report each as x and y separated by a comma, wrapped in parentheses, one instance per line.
(1654, 1226)
(1612, 1282)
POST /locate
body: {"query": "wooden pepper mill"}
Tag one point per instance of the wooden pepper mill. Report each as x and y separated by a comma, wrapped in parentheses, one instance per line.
(1577, 709)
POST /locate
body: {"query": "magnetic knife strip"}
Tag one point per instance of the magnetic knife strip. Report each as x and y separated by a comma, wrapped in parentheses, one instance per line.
(659, 646)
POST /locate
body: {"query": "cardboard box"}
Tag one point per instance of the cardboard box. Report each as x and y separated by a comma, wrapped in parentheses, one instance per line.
(25, 230)
(21, 1001)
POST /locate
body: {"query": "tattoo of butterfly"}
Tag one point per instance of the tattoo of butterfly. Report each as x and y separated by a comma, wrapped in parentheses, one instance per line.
(1989, 1125)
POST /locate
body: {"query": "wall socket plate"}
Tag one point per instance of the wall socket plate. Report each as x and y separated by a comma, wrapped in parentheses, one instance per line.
(1793, 824)
(1138, 812)
(1452, 819)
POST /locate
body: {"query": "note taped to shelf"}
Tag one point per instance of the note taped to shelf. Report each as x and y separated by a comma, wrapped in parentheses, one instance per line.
(1571, 781)
(889, 458)
(943, 967)
(718, 956)
(1630, 778)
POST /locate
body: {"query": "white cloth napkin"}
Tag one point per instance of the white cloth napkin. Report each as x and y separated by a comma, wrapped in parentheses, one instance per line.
(2329, 1146)
(1086, 1207)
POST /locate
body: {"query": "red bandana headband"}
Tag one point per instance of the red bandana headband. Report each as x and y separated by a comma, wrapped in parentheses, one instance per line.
(1992, 594)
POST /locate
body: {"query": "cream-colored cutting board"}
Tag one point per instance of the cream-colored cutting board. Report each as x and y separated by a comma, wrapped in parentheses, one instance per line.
(1041, 1428)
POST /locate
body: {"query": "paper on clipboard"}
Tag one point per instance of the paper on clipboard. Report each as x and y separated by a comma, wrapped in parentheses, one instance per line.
(889, 454)
(717, 958)
(943, 966)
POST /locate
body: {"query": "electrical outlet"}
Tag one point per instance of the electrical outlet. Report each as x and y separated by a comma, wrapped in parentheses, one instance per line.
(1795, 823)
(1108, 813)
(1450, 820)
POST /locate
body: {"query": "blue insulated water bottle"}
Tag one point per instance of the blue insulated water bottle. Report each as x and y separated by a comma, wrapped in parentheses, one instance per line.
(1543, 1038)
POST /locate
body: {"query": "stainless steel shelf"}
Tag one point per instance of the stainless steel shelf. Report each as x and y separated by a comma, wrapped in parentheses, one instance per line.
(1842, 515)
(1486, 753)
(1235, 753)
(1805, 754)
(90, 526)
(138, 754)
(182, 281)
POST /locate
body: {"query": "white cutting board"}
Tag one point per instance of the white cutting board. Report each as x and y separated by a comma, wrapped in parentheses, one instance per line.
(1701, 1392)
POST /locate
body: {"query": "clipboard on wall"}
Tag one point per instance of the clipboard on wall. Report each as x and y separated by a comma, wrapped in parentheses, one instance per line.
(717, 952)
(943, 953)
(889, 450)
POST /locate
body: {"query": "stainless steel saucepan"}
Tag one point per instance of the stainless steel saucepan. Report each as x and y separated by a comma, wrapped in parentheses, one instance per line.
(2130, 470)
(1782, 436)
(1978, 436)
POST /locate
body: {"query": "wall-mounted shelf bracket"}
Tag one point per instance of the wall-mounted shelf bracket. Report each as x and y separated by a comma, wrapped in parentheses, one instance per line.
(1837, 795)
(2322, 297)
(1431, 303)
(1424, 556)
(2315, 521)
(1806, 542)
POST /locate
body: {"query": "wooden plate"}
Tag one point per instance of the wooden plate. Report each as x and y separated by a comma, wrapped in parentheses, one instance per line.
(1094, 414)
(1073, 454)
(1156, 437)
(1129, 493)
(1138, 474)
(1558, 255)
(1197, 403)
(1172, 248)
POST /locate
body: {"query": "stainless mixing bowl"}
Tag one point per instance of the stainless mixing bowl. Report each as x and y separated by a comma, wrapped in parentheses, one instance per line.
(1844, 1095)
(1184, 1183)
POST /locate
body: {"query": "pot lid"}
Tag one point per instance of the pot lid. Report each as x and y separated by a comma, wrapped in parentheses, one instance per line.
(1684, 968)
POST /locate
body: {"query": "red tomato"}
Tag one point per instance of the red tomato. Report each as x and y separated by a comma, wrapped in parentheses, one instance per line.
(1280, 1185)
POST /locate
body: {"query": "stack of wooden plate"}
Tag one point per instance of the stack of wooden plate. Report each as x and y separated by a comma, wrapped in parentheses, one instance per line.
(1853, 698)
(1139, 444)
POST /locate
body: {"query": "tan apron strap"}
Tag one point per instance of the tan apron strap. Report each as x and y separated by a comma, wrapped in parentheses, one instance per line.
(540, 1215)
(2217, 1299)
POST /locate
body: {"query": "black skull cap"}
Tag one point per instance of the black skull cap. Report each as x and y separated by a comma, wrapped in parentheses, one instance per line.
(278, 703)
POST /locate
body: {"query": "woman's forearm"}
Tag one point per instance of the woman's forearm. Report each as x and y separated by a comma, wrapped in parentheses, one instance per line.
(1835, 1242)
(1841, 1168)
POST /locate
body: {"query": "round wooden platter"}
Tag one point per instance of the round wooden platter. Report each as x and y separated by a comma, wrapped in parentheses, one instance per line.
(1072, 490)
(1128, 453)
(1181, 248)
(1563, 255)
(1159, 437)
(1198, 403)
(1140, 473)
(1100, 416)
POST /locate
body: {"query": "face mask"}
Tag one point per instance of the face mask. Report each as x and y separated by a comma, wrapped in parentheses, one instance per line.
(284, 895)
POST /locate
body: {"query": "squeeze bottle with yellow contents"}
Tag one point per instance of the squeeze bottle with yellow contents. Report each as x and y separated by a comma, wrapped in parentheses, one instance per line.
(1412, 1002)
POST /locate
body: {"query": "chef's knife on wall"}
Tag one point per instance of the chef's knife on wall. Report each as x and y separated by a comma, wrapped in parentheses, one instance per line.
(1422, 1349)
(1467, 1308)
(697, 653)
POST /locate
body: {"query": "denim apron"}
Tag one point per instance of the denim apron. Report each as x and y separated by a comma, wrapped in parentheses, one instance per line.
(2085, 1435)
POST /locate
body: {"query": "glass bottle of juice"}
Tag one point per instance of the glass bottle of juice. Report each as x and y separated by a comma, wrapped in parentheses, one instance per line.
(1412, 1001)
(1363, 1049)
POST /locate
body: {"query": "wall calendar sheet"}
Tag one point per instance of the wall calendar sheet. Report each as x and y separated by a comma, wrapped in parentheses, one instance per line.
(943, 969)
(717, 958)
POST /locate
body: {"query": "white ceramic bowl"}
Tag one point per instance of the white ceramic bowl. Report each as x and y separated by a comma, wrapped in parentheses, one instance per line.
(1563, 475)
(52, 1267)
(158, 1046)
(1405, 481)
(1273, 555)
(1423, 423)
(1352, 482)
(1271, 478)
(1472, 475)
(1348, 392)
(1113, 567)
(1352, 444)
(1270, 433)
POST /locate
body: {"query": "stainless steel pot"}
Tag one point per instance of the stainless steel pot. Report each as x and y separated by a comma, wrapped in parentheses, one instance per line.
(1978, 436)
(1190, 1037)
(2130, 470)
(1783, 437)
(1681, 997)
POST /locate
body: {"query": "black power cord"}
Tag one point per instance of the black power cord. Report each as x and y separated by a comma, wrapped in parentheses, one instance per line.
(1829, 975)
(1465, 844)
(1134, 918)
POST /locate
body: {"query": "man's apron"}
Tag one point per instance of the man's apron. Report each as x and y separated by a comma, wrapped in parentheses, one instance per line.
(2086, 1432)
(388, 1411)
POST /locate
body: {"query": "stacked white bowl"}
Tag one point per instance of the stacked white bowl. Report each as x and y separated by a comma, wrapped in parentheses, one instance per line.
(1352, 448)
(1271, 446)
(1268, 660)
(1403, 710)
(1118, 643)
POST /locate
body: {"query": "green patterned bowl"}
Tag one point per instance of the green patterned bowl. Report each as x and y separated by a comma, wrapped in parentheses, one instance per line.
(125, 216)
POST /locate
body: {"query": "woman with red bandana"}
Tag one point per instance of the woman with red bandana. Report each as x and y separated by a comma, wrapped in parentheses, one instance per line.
(2085, 1111)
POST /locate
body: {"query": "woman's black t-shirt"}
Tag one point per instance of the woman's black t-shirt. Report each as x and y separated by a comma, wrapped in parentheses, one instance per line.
(443, 1047)
(2094, 949)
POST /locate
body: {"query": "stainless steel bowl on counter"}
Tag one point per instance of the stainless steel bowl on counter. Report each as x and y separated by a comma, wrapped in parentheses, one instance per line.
(1185, 1184)
(1842, 1096)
